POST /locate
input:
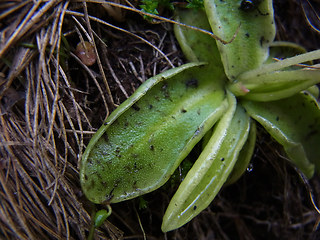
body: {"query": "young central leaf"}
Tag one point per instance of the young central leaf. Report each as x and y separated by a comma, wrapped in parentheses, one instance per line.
(253, 30)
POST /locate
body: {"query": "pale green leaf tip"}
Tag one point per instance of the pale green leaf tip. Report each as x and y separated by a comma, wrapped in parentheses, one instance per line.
(297, 155)
(172, 222)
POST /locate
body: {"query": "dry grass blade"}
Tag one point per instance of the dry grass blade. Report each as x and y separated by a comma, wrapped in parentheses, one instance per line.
(35, 167)
(87, 20)
(11, 7)
(32, 18)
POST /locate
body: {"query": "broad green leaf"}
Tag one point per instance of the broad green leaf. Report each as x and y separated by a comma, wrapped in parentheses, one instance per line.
(197, 46)
(295, 123)
(211, 170)
(146, 138)
(253, 31)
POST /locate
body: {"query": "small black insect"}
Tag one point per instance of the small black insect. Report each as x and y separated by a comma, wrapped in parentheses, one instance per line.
(250, 5)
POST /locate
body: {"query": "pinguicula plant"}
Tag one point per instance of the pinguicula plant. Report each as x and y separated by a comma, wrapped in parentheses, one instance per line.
(221, 93)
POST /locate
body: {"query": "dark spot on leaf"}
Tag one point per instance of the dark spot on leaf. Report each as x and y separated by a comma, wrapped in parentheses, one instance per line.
(194, 207)
(250, 6)
(262, 40)
(314, 103)
(104, 184)
(150, 106)
(106, 137)
(247, 35)
(109, 196)
(151, 147)
(222, 159)
(277, 118)
(117, 183)
(183, 110)
(134, 185)
(311, 134)
(136, 107)
(164, 90)
(164, 86)
(127, 169)
(192, 83)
